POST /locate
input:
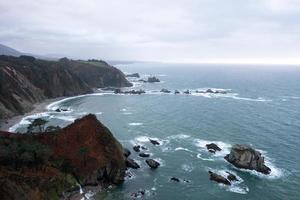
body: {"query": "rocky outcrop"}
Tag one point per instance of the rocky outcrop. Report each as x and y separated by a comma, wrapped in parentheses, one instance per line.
(152, 163)
(84, 152)
(243, 156)
(152, 79)
(218, 178)
(25, 80)
(134, 75)
(212, 147)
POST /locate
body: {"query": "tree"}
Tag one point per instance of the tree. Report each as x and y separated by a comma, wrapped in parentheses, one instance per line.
(39, 122)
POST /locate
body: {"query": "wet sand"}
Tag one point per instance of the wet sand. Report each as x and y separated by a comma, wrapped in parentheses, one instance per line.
(38, 108)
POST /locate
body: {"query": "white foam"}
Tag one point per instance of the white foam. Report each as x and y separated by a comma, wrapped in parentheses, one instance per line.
(224, 146)
(127, 113)
(205, 159)
(183, 149)
(135, 124)
(187, 167)
(142, 139)
(179, 136)
(64, 118)
(27, 120)
(236, 186)
(123, 110)
(98, 113)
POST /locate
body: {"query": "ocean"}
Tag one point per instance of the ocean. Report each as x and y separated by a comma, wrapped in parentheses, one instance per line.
(261, 108)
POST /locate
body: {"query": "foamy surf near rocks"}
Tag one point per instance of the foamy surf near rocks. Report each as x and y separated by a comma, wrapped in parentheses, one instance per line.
(245, 157)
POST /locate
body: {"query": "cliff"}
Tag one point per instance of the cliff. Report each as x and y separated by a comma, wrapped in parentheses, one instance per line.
(45, 166)
(25, 80)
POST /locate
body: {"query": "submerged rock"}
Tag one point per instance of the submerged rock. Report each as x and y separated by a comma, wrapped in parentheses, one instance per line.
(118, 91)
(154, 142)
(187, 92)
(176, 92)
(209, 91)
(218, 178)
(144, 155)
(175, 179)
(243, 156)
(212, 147)
(152, 163)
(165, 90)
(131, 163)
(134, 92)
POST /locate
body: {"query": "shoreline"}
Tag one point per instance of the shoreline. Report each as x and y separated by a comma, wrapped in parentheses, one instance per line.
(39, 107)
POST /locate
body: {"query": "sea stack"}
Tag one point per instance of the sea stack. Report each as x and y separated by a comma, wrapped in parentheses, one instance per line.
(245, 157)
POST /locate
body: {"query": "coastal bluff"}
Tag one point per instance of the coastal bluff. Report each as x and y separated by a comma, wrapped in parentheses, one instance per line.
(26, 80)
(52, 165)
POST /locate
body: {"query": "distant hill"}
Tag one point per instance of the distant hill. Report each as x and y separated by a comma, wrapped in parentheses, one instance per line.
(26, 80)
(5, 50)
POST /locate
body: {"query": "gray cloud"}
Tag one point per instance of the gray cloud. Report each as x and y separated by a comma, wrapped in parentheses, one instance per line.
(170, 30)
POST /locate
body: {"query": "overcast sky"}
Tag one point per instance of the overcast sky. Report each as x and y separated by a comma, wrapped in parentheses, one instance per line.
(266, 31)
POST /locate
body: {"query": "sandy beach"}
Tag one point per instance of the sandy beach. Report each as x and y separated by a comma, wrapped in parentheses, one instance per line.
(38, 108)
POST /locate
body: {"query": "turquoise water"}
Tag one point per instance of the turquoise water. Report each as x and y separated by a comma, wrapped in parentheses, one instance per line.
(261, 108)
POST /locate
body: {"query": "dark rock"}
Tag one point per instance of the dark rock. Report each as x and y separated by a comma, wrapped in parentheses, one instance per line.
(212, 150)
(136, 148)
(57, 110)
(165, 90)
(118, 91)
(231, 177)
(131, 163)
(144, 155)
(209, 91)
(187, 92)
(135, 92)
(126, 152)
(152, 79)
(243, 156)
(175, 179)
(212, 147)
(218, 178)
(154, 142)
(134, 75)
(152, 163)
(176, 92)
(142, 80)
(64, 109)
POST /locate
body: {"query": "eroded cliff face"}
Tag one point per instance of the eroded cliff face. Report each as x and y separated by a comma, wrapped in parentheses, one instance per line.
(46, 165)
(25, 80)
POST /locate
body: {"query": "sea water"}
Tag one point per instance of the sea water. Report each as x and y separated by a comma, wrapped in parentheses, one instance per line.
(261, 108)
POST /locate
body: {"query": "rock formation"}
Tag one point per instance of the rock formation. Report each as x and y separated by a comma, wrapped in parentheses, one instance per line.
(243, 156)
(84, 152)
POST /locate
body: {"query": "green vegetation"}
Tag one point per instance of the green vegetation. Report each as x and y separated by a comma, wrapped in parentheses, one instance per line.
(18, 153)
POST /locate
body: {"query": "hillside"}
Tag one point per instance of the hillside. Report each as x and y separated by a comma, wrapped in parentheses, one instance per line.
(51, 165)
(25, 80)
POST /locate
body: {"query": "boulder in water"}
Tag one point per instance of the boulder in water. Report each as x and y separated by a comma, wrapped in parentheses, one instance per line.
(243, 156)
(152, 163)
(176, 92)
(209, 91)
(212, 147)
(218, 178)
(175, 179)
(131, 163)
(165, 90)
(136, 148)
(144, 155)
(154, 142)
(187, 92)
